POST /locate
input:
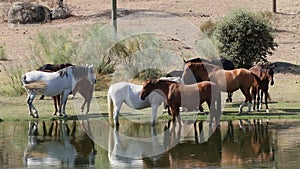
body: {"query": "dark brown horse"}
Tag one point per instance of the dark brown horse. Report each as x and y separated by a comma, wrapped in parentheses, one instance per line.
(266, 75)
(54, 68)
(189, 96)
(227, 80)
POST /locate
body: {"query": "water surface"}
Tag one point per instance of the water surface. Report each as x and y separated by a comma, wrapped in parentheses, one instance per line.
(91, 143)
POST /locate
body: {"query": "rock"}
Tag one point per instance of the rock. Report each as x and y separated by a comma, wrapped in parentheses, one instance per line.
(28, 13)
(60, 13)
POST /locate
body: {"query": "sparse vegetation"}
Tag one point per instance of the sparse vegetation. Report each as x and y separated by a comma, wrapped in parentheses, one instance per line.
(3, 56)
(52, 48)
(14, 84)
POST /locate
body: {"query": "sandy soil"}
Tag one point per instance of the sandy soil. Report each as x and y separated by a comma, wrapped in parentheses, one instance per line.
(17, 39)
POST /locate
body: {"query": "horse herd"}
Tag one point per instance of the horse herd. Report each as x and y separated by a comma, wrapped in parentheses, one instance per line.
(200, 81)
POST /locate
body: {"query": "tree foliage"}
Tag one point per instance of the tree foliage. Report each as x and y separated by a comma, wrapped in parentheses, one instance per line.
(245, 38)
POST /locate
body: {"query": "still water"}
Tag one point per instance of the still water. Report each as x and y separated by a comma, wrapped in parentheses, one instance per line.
(91, 143)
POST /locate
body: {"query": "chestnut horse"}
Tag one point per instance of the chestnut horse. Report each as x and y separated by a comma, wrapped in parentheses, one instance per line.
(223, 63)
(189, 96)
(227, 80)
(54, 68)
(266, 74)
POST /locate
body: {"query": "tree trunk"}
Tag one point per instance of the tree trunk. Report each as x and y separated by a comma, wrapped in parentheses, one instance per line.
(274, 6)
(114, 15)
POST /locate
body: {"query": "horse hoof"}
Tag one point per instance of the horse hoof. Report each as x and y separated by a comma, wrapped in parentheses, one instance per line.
(267, 111)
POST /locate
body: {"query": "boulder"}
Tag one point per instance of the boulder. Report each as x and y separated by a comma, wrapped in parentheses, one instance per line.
(28, 13)
(60, 13)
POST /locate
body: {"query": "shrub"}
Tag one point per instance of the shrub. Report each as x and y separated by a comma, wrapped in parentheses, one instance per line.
(53, 48)
(208, 27)
(14, 74)
(245, 38)
(2, 53)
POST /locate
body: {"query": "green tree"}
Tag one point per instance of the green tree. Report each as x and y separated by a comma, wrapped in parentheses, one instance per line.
(245, 38)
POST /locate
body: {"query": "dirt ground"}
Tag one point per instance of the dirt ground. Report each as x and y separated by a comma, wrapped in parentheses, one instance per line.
(16, 39)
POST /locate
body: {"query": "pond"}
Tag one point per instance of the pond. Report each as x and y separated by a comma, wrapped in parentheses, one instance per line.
(92, 143)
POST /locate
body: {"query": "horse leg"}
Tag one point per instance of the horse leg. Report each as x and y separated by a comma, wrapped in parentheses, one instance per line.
(254, 92)
(259, 97)
(54, 98)
(32, 110)
(88, 104)
(82, 106)
(117, 108)
(266, 101)
(63, 102)
(229, 97)
(247, 100)
(175, 112)
(211, 106)
(154, 112)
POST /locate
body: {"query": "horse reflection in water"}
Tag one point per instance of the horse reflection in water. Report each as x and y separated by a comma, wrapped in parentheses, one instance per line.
(249, 140)
(127, 151)
(191, 145)
(60, 145)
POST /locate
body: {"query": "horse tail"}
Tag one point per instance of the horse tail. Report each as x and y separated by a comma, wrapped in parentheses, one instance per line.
(110, 105)
(35, 85)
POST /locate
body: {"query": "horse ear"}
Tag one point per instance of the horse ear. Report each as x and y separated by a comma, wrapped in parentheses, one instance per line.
(200, 66)
(273, 66)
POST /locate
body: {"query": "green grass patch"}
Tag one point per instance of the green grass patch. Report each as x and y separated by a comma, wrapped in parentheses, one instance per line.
(16, 109)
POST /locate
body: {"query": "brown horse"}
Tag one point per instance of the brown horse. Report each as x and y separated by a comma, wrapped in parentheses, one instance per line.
(189, 96)
(266, 75)
(223, 63)
(54, 68)
(227, 80)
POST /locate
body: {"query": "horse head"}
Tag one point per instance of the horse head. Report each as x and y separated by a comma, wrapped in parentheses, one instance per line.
(91, 74)
(194, 72)
(268, 73)
(148, 87)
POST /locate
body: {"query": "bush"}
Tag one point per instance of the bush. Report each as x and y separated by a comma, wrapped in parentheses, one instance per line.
(245, 38)
(2, 53)
(208, 27)
(53, 48)
(14, 74)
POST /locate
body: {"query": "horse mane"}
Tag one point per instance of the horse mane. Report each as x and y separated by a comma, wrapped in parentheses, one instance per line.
(80, 71)
(62, 72)
(165, 80)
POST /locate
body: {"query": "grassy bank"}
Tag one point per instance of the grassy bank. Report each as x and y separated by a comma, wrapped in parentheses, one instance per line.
(15, 108)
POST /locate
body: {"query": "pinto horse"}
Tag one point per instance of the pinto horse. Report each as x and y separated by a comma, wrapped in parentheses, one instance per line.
(223, 63)
(54, 68)
(54, 83)
(227, 80)
(189, 96)
(266, 75)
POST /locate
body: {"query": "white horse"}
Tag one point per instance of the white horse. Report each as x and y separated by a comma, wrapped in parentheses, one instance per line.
(128, 93)
(61, 83)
